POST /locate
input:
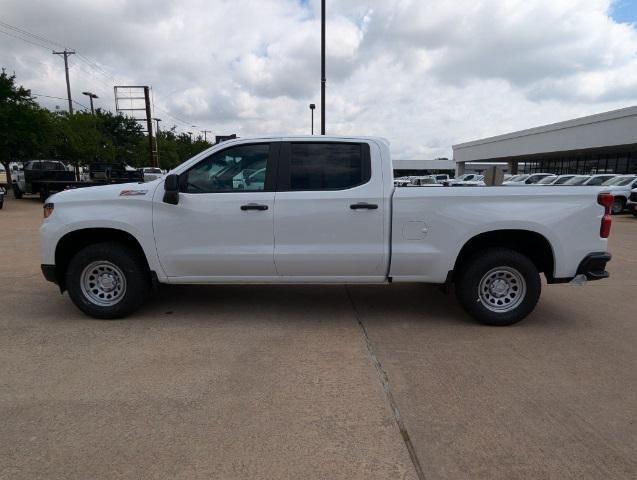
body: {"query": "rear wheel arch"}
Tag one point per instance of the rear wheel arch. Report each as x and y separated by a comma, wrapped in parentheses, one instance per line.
(533, 245)
(73, 242)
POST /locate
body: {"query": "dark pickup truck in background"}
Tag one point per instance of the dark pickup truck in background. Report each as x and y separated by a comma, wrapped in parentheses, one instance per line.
(44, 177)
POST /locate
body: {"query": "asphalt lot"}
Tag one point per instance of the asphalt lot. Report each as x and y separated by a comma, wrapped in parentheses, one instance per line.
(283, 382)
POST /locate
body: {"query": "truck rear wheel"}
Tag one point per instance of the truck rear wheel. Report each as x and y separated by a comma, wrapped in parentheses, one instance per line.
(107, 280)
(498, 286)
(17, 193)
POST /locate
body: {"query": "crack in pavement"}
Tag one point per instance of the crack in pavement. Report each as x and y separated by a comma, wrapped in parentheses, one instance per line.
(384, 380)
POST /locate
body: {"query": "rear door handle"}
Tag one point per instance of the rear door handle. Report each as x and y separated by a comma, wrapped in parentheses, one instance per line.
(363, 206)
(254, 206)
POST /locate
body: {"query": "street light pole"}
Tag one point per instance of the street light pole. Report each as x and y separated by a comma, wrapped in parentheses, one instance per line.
(322, 67)
(312, 107)
(91, 96)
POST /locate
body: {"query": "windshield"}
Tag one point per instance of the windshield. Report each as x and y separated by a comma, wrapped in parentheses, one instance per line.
(578, 180)
(546, 180)
(620, 181)
(519, 178)
(563, 180)
(599, 180)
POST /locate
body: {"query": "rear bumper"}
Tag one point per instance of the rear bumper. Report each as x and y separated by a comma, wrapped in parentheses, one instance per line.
(49, 273)
(593, 267)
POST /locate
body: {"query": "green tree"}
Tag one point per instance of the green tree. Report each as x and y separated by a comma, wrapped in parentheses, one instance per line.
(25, 127)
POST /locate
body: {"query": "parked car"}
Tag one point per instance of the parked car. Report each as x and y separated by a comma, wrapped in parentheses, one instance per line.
(151, 173)
(337, 219)
(599, 179)
(43, 177)
(426, 181)
(3, 191)
(468, 180)
(546, 180)
(555, 180)
(3, 175)
(631, 205)
(620, 188)
(441, 178)
(466, 177)
(527, 179)
(577, 180)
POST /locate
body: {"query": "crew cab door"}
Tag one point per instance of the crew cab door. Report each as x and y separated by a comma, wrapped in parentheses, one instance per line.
(223, 224)
(329, 219)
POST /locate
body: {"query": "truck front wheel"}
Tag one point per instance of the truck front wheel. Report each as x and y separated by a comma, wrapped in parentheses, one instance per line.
(498, 286)
(107, 280)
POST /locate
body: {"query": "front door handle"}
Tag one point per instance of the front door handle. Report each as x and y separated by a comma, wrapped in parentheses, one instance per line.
(254, 206)
(363, 206)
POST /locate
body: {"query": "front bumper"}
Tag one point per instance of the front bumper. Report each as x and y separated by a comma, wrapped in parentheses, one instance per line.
(49, 273)
(593, 267)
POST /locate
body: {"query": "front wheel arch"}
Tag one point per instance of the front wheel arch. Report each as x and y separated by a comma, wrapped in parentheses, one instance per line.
(74, 241)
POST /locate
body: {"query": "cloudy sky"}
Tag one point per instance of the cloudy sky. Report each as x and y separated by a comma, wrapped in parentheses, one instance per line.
(425, 74)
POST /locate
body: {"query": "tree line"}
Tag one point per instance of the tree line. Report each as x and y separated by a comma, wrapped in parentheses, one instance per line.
(29, 131)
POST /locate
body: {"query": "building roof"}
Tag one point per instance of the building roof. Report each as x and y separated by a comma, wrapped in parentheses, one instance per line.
(617, 127)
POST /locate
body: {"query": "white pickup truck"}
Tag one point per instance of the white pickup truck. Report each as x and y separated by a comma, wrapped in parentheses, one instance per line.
(319, 210)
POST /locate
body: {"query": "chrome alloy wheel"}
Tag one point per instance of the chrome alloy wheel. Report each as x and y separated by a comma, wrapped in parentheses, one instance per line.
(502, 289)
(103, 283)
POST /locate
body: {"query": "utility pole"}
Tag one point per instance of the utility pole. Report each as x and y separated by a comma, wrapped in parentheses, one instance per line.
(149, 126)
(205, 136)
(322, 67)
(66, 54)
(157, 120)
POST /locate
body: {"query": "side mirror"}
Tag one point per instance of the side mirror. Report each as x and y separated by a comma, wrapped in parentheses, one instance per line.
(171, 189)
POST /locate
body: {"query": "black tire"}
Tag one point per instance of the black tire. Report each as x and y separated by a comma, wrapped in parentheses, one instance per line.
(635, 212)
(618, 205)
(487, 262)
(17, 193)
(135, 287)
(44, 194)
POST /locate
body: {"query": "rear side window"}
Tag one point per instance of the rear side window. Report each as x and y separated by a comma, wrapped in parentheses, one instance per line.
(328, 166)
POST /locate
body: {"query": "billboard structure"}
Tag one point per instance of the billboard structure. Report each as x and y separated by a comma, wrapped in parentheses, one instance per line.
(134, 101)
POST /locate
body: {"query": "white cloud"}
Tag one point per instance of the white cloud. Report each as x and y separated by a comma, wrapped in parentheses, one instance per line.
(425, 74)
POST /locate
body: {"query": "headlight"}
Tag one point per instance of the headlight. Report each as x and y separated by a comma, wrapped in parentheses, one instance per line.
(48, 210)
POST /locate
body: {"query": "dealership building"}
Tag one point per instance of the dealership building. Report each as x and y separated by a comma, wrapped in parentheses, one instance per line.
(606, 142)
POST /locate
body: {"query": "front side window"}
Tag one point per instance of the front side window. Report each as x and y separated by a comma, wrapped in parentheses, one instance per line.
(240, 168)
(328, 166)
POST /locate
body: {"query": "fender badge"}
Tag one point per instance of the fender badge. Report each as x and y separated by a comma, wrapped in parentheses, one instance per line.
(131, 193)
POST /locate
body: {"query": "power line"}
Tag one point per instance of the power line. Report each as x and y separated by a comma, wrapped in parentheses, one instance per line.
(25, 40)
(33, 35)
(36, 95)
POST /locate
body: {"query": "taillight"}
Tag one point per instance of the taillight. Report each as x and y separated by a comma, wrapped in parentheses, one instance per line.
(605, 200)
(48, 210)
